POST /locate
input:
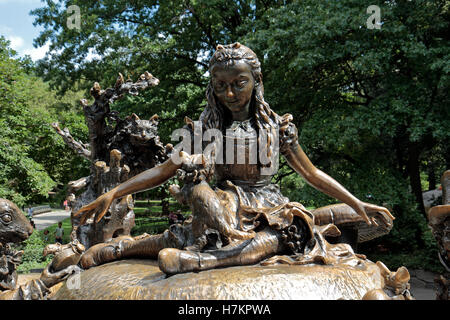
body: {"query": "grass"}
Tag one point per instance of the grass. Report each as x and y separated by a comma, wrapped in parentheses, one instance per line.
(145, 225)
(147, 210)
(66, 225)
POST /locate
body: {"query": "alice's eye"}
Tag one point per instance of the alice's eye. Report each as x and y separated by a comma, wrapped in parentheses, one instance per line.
(6, 218)
(241, 83)
(219, 84)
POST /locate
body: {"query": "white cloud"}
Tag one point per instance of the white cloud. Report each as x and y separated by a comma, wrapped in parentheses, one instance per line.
(92, 55)
(37, 53)
(16, 42)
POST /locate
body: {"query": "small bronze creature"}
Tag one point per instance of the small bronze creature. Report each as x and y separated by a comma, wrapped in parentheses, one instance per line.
(439, 222)
(15, 228)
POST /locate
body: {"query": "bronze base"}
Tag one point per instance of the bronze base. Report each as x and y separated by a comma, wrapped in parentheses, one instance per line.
(142, 280)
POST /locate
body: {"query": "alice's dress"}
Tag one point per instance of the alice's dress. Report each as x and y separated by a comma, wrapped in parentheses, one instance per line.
(247, 191)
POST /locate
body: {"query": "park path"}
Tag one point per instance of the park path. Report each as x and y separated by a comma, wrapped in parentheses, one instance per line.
(45, 220)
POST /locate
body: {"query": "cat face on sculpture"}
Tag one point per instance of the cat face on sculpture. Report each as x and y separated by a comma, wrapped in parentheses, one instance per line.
(142, 131)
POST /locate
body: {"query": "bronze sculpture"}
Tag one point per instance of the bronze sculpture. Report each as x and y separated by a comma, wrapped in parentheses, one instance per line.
(15, 228)
(439, 222)
(243, 219)
(129, 146)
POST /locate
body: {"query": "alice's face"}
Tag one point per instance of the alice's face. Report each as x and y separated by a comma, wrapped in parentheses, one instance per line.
(233, 85)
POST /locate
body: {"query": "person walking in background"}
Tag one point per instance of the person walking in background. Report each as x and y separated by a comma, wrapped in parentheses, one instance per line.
(66, 206)
(30, 213)
(59, 232)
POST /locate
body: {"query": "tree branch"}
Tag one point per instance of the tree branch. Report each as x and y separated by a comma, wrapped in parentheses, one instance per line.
(191, 59)
(281, 176)
(80, 148)
(206, 29)
(358, 85)
(122, 19)
(96, 113)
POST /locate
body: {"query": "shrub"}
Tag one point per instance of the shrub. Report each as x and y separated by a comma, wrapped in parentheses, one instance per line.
(32, 257)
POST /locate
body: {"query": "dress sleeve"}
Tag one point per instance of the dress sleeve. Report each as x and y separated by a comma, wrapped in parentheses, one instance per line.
(288, 133)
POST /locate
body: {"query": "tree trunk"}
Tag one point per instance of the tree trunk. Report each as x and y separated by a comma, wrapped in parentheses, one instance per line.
(400, 153)
(447, 157)
(413, 167)
(431, 177)
(165, 206)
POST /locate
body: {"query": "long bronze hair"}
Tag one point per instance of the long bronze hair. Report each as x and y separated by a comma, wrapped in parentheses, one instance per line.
(215, 115)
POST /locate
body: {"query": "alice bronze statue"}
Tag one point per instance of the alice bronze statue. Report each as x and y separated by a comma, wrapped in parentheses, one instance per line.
(238, 216)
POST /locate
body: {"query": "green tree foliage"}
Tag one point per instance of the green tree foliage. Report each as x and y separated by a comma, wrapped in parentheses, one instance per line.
(21, 178)
(371, 104)
(361, 96)
(32, 157)
(171, 39)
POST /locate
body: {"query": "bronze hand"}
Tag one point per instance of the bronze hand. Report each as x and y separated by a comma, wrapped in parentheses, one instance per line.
(298, 160)
(384, 214)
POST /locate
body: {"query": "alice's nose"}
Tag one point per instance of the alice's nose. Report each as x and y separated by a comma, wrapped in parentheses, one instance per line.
(230, 93)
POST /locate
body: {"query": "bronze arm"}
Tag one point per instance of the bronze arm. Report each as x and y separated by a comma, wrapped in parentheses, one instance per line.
(298, 160)
(146, 180)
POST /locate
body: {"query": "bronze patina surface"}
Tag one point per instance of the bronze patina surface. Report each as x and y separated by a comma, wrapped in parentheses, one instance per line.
(142, 279)
(439, 222)
(117, 150)
(15, 228)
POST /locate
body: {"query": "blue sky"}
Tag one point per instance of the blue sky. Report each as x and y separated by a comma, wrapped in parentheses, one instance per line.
(16, 24)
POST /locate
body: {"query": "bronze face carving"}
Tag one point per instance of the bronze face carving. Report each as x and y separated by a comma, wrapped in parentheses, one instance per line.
(233, 87)
(14, 226)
